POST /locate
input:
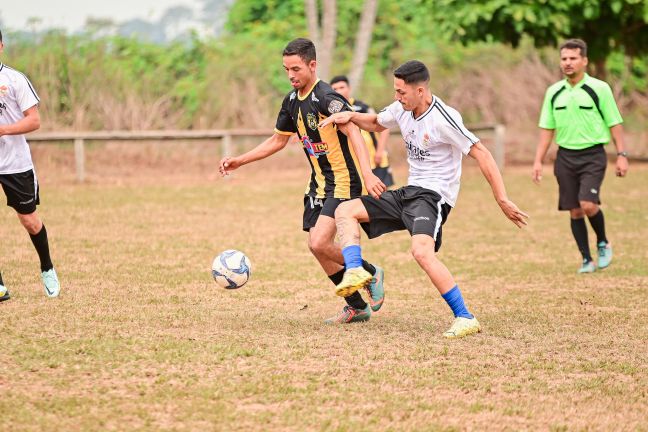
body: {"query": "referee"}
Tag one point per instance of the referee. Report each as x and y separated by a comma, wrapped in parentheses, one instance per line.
(582, 113)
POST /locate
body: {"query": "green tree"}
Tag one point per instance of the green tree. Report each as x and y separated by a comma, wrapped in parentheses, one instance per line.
(606, 25)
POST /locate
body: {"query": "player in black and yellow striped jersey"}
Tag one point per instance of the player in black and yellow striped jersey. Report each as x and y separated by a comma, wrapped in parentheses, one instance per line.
(340, 167)
(375, 142)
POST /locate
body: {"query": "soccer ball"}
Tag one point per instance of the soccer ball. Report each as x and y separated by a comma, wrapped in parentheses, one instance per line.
(231, 269)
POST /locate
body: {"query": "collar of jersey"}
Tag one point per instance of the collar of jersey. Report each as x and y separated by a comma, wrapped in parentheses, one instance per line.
(426, 111)
(1, 66)
(579, 84)
(309, 91)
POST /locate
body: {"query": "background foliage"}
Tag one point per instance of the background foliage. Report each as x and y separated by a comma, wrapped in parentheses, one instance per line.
(89, 81)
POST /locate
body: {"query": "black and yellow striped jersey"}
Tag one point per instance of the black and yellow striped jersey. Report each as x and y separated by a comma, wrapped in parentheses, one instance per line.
(335, 170)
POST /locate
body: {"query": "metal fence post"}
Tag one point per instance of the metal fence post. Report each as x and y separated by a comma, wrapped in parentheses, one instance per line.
(500, 131)
(79, 159)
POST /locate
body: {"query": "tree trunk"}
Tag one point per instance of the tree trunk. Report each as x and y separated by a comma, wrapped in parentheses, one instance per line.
(362, 43)
(312, 18)
(329, 33)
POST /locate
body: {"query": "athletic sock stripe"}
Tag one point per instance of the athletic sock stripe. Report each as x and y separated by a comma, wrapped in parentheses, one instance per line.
(450, 120)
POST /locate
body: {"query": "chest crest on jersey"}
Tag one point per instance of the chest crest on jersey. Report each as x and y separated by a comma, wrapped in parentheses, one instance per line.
(312, 121)
(4, 91)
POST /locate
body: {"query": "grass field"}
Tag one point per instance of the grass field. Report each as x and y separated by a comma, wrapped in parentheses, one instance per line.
(141, 338)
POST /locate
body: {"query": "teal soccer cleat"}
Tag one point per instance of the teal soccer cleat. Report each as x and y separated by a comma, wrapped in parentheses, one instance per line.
(51, 283)
(587, 267)
(604, 254)
(376, 290)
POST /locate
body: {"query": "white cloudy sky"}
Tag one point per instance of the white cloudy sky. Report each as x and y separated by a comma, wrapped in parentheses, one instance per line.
(72, 14)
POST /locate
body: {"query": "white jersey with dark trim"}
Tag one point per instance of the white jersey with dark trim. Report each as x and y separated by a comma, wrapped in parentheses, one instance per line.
(435, 143)
(17, 95)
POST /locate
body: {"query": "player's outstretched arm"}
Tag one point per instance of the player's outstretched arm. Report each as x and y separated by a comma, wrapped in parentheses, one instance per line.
(546, 135)
(365, 121)
(491, 172)
(268, 147)
(27, 124)
(374, 185)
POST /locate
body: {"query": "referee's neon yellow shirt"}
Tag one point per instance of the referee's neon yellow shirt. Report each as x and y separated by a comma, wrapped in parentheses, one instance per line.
(574, 115)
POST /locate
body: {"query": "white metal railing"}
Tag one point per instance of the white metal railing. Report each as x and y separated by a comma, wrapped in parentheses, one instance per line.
(225, 135)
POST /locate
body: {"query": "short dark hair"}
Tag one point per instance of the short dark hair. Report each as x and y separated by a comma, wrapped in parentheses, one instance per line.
(0, 35)
(575, 44)
(304, 48)
(339, 78)
(412, 72)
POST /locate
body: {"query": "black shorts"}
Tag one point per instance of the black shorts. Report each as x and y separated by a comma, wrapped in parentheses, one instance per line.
(385, 175)
(580, 174)
(21, 190)
(314, 207)
(416, 209)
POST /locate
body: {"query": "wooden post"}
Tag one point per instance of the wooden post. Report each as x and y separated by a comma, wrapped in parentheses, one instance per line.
(226, 145)
(500, 131)
(79, 159)
(226, 149)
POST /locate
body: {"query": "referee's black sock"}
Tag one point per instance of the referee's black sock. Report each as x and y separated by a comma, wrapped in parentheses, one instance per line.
(355, 300)
(579, 230)
(42, 247)
(598, 225)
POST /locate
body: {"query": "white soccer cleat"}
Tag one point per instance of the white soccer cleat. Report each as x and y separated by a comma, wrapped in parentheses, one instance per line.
(51, 283)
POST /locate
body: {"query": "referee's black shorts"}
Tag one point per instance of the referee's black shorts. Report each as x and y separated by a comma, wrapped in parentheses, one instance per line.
(416, 209)
(580, 174)
(21, 190)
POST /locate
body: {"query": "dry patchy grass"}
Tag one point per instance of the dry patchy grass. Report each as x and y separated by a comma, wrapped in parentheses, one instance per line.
(142, 339)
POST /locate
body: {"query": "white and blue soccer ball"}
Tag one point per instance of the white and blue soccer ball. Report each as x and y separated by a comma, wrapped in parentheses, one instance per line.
(231, 269)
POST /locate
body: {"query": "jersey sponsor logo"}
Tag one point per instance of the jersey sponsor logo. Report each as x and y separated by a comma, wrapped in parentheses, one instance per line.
(421, 218)
(335, 106)
(312, 121)
(414, 152)
(315, 149)
(3, 106)
(4, 91)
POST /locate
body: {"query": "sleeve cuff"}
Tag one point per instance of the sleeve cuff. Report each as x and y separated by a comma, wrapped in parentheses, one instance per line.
(280, 132)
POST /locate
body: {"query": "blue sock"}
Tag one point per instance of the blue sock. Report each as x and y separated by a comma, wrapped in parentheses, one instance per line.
(456, 303)
(352, 256)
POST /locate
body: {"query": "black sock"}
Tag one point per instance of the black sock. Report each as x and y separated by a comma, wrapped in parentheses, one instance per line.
(598, 225)
(579, 230)
(42, 247)
(355, 300)
(369, 267)
(1, 283)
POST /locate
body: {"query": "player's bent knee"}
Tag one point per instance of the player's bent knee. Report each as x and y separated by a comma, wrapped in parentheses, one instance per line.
(588, 207)
(423, 253)
(31, 222)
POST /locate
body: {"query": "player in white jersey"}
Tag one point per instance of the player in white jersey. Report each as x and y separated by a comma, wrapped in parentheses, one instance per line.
(436, 140)
(18, 116)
